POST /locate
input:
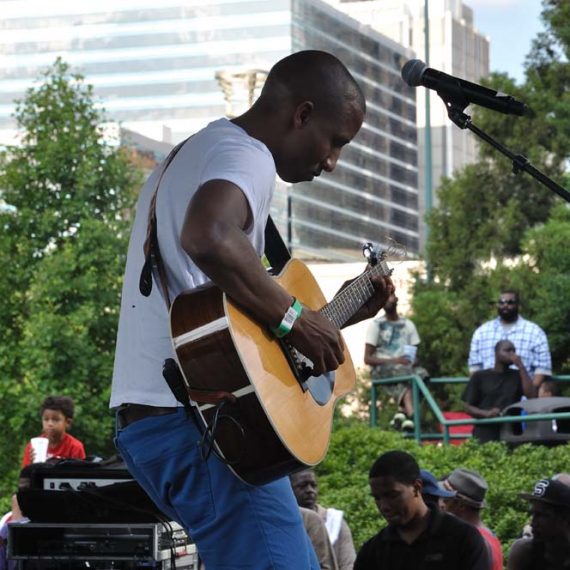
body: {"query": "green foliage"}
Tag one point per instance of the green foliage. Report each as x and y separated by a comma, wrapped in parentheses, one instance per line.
(69, 337)
(446, 317)
(63, 248)
(63, 172)
(343, 476)
(494, 229)
(483, 212)
(444, 323)
(547, 249)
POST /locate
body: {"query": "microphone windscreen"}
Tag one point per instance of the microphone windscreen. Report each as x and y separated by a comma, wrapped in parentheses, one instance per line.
(412, 72)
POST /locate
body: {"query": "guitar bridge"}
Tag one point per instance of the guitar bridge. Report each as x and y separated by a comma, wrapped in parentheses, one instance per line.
(298, 364)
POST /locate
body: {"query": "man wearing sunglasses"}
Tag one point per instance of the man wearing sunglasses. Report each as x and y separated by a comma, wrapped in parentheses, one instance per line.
(528, 338)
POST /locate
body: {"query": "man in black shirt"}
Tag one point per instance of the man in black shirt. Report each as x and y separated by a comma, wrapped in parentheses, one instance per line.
(490, 391)
(416, 537)
(549, 547)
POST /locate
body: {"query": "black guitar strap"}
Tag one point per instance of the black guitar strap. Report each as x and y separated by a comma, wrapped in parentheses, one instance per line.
(275, 249)
(153, 260)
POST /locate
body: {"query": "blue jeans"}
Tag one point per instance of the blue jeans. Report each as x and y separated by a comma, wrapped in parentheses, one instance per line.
(235, 526)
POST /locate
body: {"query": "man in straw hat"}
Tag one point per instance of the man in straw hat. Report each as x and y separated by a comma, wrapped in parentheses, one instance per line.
(470, 490)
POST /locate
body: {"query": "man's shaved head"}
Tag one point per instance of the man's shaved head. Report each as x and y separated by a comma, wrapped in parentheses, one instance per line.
(309, 108)
(315, 76)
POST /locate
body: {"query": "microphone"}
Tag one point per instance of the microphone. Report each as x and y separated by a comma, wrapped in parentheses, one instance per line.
(455, 90)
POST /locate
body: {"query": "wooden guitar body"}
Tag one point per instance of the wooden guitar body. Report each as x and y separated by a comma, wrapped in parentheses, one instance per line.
(279, 422)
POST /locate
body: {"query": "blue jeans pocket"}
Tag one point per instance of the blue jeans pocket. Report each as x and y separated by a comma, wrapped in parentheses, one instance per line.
(166, 461)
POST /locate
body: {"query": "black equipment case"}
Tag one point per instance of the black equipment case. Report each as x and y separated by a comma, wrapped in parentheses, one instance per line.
(73, 490)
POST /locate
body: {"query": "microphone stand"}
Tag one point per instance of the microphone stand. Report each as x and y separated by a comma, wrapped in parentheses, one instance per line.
(456, 104)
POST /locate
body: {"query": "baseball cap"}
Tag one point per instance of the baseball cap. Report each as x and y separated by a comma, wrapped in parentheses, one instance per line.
(469, 486)
(549, 491)
(430, 486)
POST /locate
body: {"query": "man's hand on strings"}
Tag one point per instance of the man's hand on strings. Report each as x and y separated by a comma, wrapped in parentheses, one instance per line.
(383, 288)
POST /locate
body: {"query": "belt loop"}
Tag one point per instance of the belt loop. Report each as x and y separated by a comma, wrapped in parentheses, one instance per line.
(119, 425)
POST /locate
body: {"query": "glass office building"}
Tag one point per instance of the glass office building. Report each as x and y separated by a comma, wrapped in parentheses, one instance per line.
(372, 194)
(154, 64)
(457, 48)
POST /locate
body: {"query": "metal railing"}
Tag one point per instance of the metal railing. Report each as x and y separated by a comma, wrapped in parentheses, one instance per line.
(419, 386)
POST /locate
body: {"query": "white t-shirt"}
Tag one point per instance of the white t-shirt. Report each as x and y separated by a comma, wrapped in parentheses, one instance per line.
(390, 337)
(220, 151)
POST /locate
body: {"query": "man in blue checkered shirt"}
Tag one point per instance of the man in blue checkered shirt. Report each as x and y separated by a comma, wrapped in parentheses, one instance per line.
(529, 339)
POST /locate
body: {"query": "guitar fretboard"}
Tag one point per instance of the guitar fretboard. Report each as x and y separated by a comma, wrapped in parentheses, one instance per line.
(352, 297)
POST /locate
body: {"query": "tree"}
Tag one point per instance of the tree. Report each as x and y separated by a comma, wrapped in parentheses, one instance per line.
(68, 339)
(488, 217)
(479, 217)
(546, 265)
(64, 250)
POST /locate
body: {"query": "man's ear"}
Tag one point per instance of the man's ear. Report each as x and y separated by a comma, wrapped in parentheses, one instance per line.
(68, 422)
(418, 485)
(303, 113)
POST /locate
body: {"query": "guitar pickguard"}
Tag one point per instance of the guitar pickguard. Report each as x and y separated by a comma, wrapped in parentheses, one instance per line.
(320, 387)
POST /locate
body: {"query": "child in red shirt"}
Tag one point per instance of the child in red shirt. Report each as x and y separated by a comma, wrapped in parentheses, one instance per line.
(57, 417)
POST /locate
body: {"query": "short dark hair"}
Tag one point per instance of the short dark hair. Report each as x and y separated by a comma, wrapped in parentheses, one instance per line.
(316, 75)
(63, 404)
(293, 476)
(397, 464)
(552, 386)
(502, 343)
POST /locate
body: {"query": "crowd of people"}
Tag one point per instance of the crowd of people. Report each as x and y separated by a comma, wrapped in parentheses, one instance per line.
(509, 361)
(435, 523)
(431, 522)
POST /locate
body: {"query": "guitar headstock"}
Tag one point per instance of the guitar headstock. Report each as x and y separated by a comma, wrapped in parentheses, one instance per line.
(377, 254)
(373, 253)
(390, 248)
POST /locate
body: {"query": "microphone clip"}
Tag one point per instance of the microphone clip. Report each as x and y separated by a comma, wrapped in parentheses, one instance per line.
(456, 114)
(455, 102)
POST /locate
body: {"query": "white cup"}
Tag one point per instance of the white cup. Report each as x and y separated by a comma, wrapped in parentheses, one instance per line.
(410, 352)
(40, 447)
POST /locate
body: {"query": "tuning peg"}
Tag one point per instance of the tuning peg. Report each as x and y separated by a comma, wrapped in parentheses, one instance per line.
(370, 252)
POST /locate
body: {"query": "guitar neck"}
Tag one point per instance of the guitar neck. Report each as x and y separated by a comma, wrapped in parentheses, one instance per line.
(348, 301)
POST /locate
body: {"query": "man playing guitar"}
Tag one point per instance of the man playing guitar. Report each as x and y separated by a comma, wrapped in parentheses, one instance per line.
(210, 213)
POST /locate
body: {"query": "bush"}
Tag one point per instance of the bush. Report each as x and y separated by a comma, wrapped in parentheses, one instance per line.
(343, 476)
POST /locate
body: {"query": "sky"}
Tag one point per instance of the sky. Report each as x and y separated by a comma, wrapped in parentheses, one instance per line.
(511, 25)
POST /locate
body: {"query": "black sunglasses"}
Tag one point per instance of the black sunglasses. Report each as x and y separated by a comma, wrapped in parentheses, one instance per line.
(506, 302)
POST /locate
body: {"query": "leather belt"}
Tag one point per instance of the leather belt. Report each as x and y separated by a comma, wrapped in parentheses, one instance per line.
(130, 413)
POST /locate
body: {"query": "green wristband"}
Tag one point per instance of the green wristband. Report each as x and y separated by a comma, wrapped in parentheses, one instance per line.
(292, 314)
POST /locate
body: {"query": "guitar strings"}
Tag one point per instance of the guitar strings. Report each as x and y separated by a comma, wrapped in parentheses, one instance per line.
(343, 306)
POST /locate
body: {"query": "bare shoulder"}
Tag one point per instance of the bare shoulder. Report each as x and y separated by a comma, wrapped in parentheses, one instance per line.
(520, 554)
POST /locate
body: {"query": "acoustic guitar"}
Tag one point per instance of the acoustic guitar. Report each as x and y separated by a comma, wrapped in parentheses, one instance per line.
(281, 416)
